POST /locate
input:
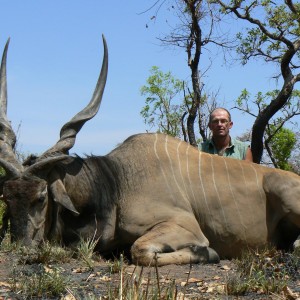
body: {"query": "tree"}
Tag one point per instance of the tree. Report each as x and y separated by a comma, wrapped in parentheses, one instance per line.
(164, 102)
(274, 36)
(281, 148)
(194, 33)
(275, 129)
(294, 161)
(167, 104)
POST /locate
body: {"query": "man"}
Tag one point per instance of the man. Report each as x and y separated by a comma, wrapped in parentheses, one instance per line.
(221, 143)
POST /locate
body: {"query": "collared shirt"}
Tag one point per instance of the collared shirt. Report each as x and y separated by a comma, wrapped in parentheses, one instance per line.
(236, 149)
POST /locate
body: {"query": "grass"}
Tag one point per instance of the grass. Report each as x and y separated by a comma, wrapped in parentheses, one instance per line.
(85, 252)
(42, 283)
(267, 271)
(46, 254)
(33, 276)
(137, 285)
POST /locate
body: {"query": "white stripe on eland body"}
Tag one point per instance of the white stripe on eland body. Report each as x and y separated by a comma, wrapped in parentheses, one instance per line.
(180, 168)
(188, 172)
(161, 168)
(184, 196)
(257, 183)
(203, 190)
(216, 189)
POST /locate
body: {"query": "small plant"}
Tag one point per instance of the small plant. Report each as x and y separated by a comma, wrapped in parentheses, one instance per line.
(85, 251)
(148, 286)
(116, 265)
(236, 285)
(8, 246)
(43, 282)
(52, 253)
(137, 285)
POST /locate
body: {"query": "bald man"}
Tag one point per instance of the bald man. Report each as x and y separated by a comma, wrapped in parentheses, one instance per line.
(221, 142)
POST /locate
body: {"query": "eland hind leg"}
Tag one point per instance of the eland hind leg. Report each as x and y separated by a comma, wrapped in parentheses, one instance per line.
(282, 191)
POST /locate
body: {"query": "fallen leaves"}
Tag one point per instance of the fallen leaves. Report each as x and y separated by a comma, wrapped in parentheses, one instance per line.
(289, 294)
(191, 280)
(81, 270)
(225, 267)
(4, 287)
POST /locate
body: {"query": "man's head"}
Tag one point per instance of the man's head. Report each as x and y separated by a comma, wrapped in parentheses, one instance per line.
(220, 122)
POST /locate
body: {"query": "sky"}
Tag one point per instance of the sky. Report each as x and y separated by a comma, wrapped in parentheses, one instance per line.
(55, 56)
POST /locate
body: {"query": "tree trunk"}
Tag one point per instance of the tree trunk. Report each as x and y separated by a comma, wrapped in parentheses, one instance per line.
(195, 39)
(264, 117)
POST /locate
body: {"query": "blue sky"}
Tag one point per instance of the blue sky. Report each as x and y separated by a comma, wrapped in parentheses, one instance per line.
(55, 56)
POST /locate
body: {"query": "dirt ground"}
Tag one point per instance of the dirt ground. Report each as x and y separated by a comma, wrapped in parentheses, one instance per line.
(189, 282)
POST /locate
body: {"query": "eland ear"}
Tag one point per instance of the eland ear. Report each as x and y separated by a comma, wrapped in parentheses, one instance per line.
(60, 196)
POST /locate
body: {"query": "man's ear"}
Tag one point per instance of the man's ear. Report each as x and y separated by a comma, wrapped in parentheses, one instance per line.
(230, 124)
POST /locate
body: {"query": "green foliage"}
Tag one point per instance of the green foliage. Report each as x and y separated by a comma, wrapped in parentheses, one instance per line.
(280, 141)
(282, 145)
(273, 36)
(85, 251)
(280, 25)
(164, 102)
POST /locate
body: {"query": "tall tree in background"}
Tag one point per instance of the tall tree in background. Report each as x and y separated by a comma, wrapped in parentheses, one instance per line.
(195, 31)
(273, 36)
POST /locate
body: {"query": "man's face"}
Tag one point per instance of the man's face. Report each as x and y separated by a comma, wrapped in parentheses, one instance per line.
(220, 124)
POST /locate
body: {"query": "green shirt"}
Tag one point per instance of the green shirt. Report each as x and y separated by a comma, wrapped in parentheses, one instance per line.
(236, 149)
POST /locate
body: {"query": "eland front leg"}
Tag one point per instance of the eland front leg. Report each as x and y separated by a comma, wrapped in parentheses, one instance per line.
(176, 241)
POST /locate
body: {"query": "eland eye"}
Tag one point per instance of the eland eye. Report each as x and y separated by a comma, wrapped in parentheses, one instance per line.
(42, 199)
(42, 196)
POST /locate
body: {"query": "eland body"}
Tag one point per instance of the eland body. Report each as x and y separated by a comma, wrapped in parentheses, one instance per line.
(156, 195)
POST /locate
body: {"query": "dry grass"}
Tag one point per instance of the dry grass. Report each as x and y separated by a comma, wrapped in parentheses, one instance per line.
(266, 271)
(55, 272)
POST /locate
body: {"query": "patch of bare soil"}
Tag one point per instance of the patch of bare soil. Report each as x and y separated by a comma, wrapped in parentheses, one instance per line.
(190, 282)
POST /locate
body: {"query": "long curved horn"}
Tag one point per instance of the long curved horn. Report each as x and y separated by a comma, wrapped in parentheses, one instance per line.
(7, 135)
(10, 168)
(70, 129)
(46, 163)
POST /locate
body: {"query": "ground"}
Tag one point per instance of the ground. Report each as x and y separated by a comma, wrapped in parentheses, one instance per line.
(103, 279)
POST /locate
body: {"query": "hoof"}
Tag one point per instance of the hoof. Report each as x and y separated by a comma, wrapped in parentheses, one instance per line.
(213, 257)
